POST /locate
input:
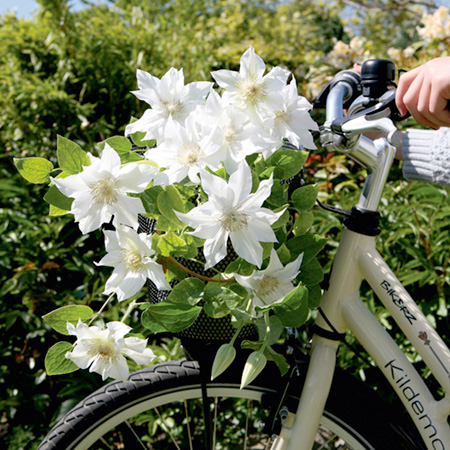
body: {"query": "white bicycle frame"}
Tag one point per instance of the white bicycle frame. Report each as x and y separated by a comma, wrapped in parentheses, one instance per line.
(357, 259)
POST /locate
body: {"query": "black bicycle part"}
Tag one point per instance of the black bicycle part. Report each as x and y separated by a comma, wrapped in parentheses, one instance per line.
(351, 404)
(363, 221)
(351, 78)
(377, 76)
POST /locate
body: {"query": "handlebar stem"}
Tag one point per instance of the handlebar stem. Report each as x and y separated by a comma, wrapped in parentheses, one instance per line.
(377, 159)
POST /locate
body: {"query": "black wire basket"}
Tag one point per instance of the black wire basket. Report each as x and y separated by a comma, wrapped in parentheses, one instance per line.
(205, 328)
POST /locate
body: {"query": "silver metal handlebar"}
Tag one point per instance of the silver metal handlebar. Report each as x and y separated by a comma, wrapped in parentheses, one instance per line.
(343, 134)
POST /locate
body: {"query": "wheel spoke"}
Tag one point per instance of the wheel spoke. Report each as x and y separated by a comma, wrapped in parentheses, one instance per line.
(188, 424)
(246, 425)
(216, 406)
(166, 428)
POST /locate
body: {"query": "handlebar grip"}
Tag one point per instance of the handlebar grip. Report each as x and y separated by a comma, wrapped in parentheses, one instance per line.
(351, 78)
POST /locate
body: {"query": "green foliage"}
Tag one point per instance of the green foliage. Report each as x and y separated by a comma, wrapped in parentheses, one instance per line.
(70, 74)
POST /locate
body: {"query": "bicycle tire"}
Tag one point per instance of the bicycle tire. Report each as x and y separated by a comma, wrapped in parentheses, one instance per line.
(118, 403)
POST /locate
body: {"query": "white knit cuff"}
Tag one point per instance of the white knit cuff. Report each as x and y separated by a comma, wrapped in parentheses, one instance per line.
(426, 155)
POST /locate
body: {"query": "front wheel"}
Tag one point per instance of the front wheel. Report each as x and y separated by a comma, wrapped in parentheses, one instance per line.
(161, 408)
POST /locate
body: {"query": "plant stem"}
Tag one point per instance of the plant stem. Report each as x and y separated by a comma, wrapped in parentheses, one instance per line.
(130, 308)
(101, 309)
(195, 274)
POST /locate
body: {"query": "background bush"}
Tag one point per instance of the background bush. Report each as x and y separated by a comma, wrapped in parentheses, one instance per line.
(71, 74)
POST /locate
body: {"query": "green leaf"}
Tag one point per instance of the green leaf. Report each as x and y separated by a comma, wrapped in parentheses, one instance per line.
(56, 362)
(311, 273)
(294, 310)
(123, 147)
(305, 197)
(278, 194)
(308, 244)
(291, 161)
(240, 266)
(279, 360)
(56, 198)
(119, 143)
(150, 200)
(189, 291)
(71, 156)
(169, 316)
(282, 220)
(303, 223)
(170, 244)
(58, 318)
(138, 139)
(276, 328)
(314, 296)
(34, 170)
(168, 201)
(284, 254)
(218, 300)
(55, 211)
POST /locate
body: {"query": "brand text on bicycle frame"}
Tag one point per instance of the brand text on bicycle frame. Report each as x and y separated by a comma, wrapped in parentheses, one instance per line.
(402, 380)
(398, 301)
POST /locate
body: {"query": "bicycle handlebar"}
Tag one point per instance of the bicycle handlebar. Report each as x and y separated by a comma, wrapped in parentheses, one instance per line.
(365, 113)
(375, 109)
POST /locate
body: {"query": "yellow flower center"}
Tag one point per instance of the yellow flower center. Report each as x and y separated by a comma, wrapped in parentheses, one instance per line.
(252, 91)
(189, 155)
(104, 192)
(229, 135)
(267, 286)
(133, 260)
(281, 116)
(234, 220)
(173, 108)
(104, 349)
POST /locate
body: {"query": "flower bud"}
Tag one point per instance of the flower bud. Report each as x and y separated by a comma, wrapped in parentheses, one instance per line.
(224, 357)
(253, 367)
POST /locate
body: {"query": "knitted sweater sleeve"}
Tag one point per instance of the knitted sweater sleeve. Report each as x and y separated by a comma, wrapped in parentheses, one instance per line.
(426, 155)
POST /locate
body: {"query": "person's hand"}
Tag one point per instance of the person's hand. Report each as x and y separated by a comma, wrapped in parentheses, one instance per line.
(425, 92)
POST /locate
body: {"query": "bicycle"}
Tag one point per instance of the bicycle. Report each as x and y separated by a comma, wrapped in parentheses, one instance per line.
(171, 405)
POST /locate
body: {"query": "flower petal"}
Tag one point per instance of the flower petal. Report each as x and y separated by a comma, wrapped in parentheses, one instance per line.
(247, 247)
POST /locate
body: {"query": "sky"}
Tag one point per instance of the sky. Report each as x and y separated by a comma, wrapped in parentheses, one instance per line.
(25, 8)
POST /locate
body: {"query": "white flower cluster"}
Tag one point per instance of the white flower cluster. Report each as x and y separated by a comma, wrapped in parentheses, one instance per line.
(345, 55)
(436, 26)
(103, 350)
(195, 129)
(197, 132)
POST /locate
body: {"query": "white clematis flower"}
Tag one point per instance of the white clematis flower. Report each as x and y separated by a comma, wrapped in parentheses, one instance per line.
(131, 254)
(100, 191)
(168, 97)
(232, 211)
(272, 283)
(249, 88)
(236, 135)
(185, 151)
(292, 120)
(103, 350)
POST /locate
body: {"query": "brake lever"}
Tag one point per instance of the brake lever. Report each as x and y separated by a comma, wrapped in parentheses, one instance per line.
(378, 117)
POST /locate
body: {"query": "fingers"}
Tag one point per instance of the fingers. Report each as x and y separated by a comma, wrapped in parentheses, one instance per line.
(425, 92)
(438, 106)
(403, 86)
